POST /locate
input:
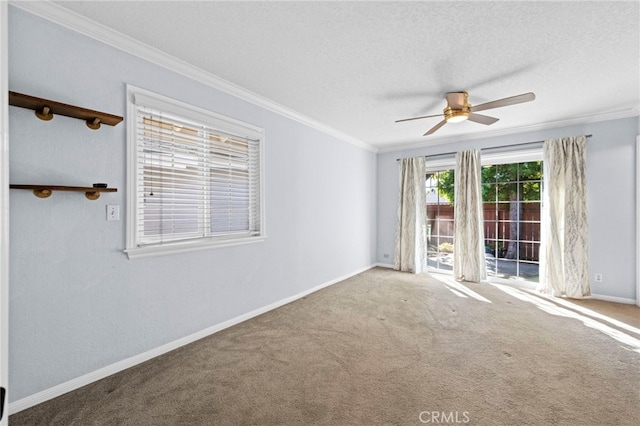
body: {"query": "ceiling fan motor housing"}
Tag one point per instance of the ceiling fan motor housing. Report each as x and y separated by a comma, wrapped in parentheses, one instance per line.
(458, 108)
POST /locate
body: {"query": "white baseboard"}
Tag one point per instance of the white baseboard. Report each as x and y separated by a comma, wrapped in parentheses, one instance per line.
(613, 299)
(385, 265)
(78, 382)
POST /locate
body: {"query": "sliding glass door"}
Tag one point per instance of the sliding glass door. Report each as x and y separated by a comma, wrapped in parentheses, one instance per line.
(512, 202)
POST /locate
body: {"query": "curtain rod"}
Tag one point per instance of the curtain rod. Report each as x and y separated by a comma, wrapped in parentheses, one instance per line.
(493, 147)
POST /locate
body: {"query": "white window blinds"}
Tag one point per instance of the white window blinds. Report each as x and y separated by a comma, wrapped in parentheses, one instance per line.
(193, 180)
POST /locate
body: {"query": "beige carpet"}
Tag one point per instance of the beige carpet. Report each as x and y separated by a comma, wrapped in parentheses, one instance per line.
(382, 348)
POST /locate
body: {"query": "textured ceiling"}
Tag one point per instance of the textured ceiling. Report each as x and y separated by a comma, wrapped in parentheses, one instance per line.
(356, 67)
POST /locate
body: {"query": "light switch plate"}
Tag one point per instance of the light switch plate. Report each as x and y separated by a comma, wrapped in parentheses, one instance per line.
(113, 212)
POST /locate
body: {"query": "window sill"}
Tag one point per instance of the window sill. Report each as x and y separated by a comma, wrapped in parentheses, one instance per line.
(185, 247)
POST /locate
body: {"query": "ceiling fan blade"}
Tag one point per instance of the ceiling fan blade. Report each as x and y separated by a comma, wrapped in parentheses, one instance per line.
(419, 118)
(456, 100)
(525, 97)
(436, 127)
(482, 119)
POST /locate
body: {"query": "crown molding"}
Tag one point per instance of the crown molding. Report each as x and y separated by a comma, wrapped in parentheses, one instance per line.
(92, 29)
(608, 116)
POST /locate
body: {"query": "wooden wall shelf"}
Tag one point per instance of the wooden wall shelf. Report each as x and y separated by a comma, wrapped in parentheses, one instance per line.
(44, 191)
(45, 109)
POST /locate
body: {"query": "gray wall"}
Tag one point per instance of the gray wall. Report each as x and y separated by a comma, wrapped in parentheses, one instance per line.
(610, 190)
(77, 304)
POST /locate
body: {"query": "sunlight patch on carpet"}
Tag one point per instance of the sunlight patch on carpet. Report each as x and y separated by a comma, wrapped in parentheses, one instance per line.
(587, 311)
(552, 306)
(459, 289)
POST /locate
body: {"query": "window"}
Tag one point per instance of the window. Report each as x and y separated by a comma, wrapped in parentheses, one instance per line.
(194, 177)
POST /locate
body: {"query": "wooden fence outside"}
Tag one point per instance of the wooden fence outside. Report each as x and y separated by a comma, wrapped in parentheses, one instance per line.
(498, 228)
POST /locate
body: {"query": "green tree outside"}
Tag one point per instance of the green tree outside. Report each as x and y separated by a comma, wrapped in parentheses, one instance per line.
(511, 183)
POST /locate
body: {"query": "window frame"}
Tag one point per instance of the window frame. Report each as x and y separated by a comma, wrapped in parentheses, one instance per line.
(137, 96)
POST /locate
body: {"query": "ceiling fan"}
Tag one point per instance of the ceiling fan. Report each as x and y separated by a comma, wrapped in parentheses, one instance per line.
(458, 109)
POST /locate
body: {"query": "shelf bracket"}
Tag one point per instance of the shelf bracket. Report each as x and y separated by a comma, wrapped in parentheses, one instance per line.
(45, 114)
(42, 192)
(93, 124)
(92, 195)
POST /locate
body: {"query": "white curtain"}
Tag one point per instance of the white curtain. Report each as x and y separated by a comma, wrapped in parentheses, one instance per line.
(468, 237)
(564, 246)
(411, 239)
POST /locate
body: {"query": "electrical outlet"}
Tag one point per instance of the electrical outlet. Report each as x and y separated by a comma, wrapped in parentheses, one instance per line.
(113, 212)
(598, 278)
(385, 255)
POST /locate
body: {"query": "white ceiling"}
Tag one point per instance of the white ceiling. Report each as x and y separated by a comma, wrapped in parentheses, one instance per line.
(356, 67)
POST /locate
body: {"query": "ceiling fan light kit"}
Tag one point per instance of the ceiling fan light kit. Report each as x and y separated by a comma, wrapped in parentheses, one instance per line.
(456, 115)
(458, 109)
